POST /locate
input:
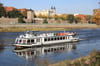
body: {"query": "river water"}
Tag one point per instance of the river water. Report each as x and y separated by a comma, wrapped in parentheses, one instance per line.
(40, 56)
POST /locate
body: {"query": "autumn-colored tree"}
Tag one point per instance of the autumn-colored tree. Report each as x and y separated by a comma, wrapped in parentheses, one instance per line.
(59, 17)
(24, 14)
(45, 21)
(55, 17)
(96, 18)
(77, 19)
(63, 17)
(42, 16)
(88, 17)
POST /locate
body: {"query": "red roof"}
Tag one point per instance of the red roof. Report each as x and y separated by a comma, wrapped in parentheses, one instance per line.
(12, 8)
(81, 16)
(9, 9)
(22, 10)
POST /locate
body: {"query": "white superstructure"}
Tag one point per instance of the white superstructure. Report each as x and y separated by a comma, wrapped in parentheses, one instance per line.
(34, 38)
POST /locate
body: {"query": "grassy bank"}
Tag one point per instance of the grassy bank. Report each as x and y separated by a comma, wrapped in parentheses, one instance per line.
(44, 27)
(20, 29)
(93, 59)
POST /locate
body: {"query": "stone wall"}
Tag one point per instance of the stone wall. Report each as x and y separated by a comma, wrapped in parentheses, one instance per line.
(12, 20)
(8, 20)
(35, 20)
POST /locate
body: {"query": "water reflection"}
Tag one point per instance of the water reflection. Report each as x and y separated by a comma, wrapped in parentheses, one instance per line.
(1, 46)
(29, 53)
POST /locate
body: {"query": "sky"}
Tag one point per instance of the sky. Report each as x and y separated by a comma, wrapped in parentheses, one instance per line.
(62, 6)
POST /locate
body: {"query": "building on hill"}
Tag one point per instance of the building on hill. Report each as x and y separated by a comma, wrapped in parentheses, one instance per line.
(7, 9)
(83, 18)
(22, 10)
(48, 12)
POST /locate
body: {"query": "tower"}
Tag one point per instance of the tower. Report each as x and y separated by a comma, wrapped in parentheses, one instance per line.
(30, 14)
(52, 11)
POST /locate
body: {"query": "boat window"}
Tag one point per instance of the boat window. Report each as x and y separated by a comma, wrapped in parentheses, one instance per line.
(24, 41)
(45, 50)
(28, 41)
(55, 49)
(63, 48)
(63, 37)
(60, 48)
(45, 39)
(32, 53)
(48, 50)
(52, 39)
(20, 53)
(55, 38)
(32, 40)
(48, 39)
(20, 41)
(60, 38)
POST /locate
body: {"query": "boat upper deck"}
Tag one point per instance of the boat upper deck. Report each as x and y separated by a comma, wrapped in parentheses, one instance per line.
(38, 34)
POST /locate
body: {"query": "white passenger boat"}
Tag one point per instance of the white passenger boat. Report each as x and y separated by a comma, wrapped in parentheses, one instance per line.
(35, 38)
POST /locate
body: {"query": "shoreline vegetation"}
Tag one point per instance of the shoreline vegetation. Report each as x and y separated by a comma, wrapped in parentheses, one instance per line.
(44, 27)
(93, 59)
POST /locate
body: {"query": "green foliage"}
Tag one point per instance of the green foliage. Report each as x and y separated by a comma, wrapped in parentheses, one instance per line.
(77, 19)
(20, 19)
(2, 10)
(88, 17)
(45, 22)
(70, 18)
(14, 14)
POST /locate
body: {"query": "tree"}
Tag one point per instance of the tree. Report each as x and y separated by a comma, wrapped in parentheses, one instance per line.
(96, 18)
(55, 17)
(70, 18)
(45, 21)
(2, 10)
(77, 19)
(14, 14)
(88, 17)
(24, 14)
(20, 19)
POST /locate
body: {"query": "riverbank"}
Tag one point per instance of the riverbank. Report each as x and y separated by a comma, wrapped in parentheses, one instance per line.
(93, 59)
(44, 27)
